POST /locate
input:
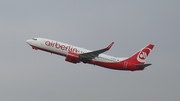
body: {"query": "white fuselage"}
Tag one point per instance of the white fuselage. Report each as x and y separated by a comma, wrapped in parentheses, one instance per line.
(63, 48)
(75, 54)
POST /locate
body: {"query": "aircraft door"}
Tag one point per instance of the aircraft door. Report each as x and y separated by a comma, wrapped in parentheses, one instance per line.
(42, 41)
(125, 64)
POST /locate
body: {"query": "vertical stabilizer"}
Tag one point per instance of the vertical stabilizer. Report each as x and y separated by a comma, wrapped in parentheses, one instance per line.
(140, 56)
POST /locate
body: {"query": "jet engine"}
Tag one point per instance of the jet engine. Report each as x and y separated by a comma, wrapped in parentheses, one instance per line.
(72, 57)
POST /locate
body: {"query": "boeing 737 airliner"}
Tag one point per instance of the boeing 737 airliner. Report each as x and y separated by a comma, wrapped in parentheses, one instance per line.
(75, 55)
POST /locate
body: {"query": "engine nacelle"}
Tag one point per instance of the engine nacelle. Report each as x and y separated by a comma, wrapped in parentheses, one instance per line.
(72, 57)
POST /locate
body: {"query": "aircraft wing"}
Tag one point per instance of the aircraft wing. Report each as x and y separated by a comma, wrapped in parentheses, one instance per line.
(91, 55)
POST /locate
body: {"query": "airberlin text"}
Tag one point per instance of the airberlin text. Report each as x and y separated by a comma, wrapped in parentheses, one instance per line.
(60, 46)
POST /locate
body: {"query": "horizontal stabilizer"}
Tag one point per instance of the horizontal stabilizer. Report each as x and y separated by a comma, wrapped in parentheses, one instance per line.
(142, 65)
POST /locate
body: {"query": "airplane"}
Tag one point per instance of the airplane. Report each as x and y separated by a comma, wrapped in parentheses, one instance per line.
(75, 55)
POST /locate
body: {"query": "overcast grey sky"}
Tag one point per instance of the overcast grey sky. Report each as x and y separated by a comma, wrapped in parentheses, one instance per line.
(29, 75)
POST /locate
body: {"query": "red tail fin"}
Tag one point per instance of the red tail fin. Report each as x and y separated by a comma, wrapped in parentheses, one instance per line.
(140, 56)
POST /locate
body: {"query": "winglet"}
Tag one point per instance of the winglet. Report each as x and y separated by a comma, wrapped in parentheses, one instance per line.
(107, 48)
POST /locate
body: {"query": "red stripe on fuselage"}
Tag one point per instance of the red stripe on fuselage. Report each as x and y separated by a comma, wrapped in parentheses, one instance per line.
(110, 65)
(49, 51)
(116, 65)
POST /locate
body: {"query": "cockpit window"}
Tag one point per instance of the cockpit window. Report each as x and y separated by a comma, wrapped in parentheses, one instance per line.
(34, 39)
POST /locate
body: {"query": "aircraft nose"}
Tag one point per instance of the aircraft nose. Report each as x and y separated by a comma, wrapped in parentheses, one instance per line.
(28, 41)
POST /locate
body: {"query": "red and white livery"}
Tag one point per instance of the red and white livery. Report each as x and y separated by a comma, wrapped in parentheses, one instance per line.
(75, 55)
